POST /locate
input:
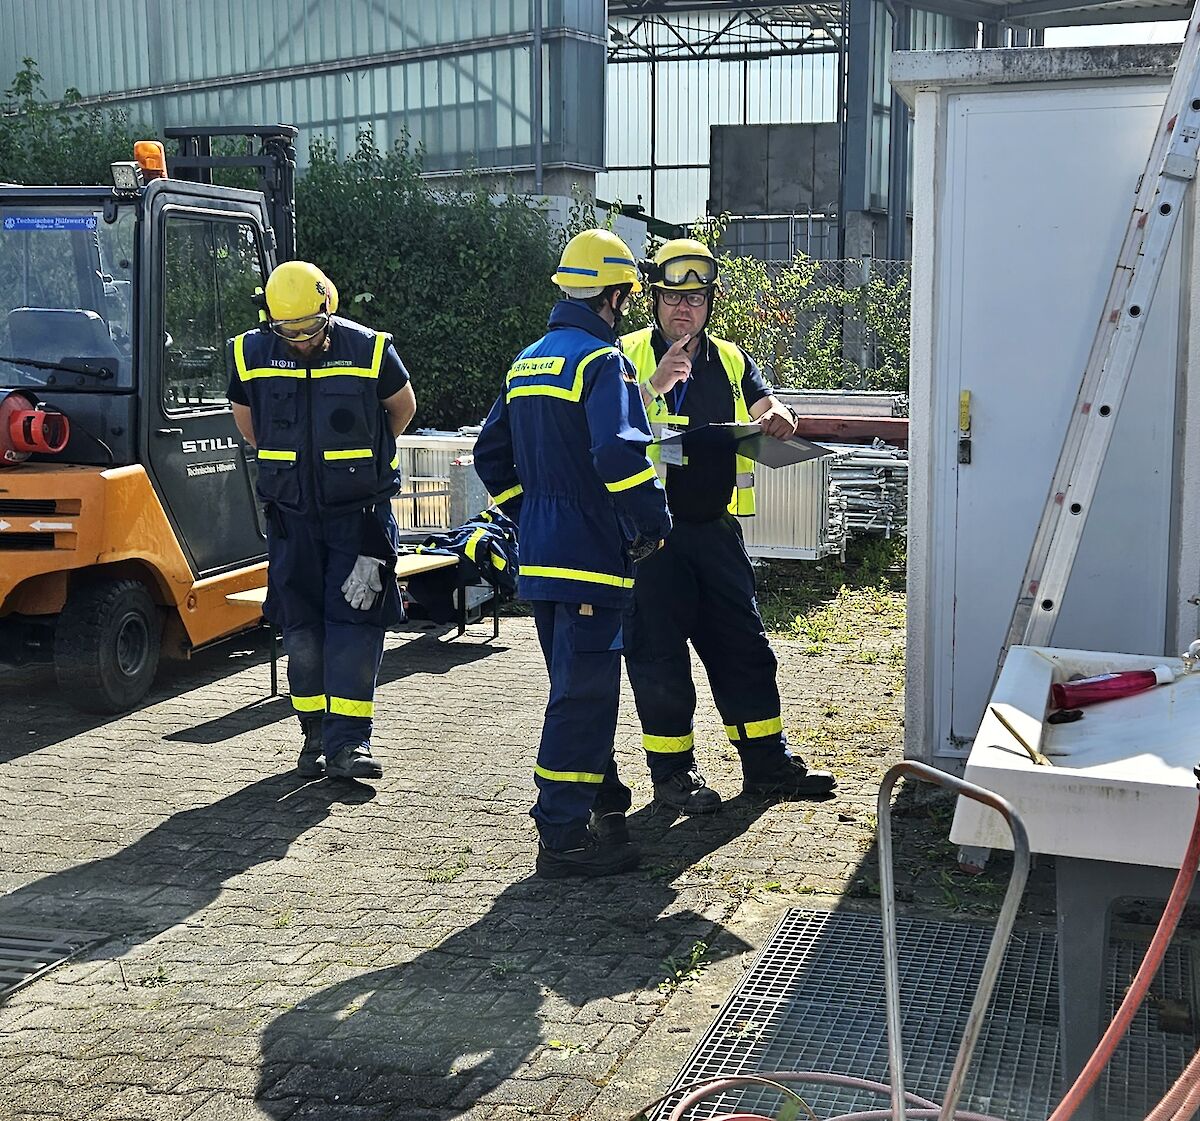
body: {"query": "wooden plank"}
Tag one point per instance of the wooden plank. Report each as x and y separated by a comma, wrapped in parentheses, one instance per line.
(408, 564)
(411, 564)
(893, 429)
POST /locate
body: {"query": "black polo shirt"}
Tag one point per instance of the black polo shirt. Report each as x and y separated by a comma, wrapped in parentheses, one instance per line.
(700, 490)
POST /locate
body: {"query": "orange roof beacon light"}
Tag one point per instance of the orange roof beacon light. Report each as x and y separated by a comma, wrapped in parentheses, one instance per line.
(151, 157)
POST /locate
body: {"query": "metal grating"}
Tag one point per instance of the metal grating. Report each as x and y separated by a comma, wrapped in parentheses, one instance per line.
(814, 1000)
(26, 952)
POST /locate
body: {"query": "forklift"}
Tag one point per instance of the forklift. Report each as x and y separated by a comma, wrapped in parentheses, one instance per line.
(127, 503)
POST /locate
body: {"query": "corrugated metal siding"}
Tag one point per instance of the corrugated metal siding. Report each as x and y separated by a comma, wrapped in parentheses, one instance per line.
(690, 96)
(793, 512)
(467, 108)
(927, 31)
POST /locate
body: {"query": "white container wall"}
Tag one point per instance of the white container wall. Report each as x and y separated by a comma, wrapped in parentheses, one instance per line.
(793, 501)
(793, 512)
(1026, 163)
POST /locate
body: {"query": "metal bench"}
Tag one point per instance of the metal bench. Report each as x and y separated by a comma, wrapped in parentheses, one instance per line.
(407, 566)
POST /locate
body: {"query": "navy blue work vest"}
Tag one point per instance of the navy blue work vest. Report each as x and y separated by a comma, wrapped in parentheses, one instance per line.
(320, 421)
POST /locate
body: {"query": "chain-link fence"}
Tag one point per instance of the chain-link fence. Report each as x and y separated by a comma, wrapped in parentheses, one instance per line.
(813, 324)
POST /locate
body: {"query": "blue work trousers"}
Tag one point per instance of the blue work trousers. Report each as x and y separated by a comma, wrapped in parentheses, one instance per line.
(699, 589)
(333, 649)
(576, 770)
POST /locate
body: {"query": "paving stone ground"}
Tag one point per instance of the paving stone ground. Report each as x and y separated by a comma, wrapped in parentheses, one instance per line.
(290, 951)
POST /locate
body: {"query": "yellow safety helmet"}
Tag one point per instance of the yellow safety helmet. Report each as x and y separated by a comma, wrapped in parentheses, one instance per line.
(595, 259)
(300, 299)
(682, 265)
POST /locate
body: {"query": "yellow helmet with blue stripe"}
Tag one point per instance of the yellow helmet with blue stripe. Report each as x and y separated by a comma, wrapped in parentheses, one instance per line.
(595, 259)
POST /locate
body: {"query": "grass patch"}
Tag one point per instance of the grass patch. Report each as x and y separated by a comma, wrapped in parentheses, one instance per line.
(447, 874)
(153, 980)
(829, 602)
(686, 969)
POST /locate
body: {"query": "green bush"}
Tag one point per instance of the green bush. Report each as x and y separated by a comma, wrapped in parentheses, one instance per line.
(796, 319)
(462, 281)
(47, 142)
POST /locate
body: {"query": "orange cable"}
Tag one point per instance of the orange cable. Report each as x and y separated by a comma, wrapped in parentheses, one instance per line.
(1082, 1086)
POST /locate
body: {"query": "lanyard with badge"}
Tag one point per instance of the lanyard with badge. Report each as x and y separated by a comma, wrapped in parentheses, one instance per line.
(672, 454)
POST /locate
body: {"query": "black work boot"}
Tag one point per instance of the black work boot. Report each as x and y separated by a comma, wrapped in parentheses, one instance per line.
(311, 763)
(593, 858)
(787, 778)
(609, 827)
(353, 761)
(687, 792)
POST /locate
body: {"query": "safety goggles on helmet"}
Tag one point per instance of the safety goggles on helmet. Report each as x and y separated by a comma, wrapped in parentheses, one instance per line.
(300, 330)
(678, 271)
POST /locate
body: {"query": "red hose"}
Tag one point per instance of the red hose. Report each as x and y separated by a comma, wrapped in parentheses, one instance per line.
(1082, 1086)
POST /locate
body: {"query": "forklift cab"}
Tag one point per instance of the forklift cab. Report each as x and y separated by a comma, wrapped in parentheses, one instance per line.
(115, 312)
(115, 307)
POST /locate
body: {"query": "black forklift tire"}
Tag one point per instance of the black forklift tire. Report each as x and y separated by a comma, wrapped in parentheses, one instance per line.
(106, 645)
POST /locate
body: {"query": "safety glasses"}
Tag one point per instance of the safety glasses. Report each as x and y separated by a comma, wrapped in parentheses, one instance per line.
(692, 299)
(300, 330)
(682, 270)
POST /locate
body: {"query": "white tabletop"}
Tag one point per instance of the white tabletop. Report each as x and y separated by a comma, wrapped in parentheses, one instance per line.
(1121, 786)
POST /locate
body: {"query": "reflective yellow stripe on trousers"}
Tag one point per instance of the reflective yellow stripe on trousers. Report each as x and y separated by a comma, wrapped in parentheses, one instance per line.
(755, 729)
(567, 776)
(309, 704)
(341, 706)
(669, 745)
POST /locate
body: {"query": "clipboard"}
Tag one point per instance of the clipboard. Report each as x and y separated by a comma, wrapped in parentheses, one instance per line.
(748, 440)
(770, 452)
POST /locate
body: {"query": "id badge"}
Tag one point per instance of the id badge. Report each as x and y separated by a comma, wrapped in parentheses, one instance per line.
(671, 454)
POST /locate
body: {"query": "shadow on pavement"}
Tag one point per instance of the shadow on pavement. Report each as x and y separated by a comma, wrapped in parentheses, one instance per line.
(180, 866)
(36, 714)
(420, 655)
(447, 1028)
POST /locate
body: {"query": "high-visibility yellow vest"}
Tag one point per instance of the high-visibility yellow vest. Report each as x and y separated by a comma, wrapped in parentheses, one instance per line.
(640, 351)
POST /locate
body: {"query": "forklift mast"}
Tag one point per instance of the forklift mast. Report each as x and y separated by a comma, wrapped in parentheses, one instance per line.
(273, 157)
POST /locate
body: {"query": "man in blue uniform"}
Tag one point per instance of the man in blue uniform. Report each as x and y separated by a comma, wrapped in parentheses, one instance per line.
(699, 588)
(563, 452)
(323, 400)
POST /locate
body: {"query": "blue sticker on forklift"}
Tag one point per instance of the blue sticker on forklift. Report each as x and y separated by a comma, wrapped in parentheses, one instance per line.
(50, 222)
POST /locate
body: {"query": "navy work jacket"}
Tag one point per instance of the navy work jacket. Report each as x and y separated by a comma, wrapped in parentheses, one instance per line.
(318, 424)
(563, 453)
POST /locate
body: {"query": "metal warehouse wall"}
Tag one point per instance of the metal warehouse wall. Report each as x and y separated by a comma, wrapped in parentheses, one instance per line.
(455, 73)
(690, 95)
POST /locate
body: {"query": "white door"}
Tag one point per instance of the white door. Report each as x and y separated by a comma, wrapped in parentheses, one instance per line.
(1039, 189)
